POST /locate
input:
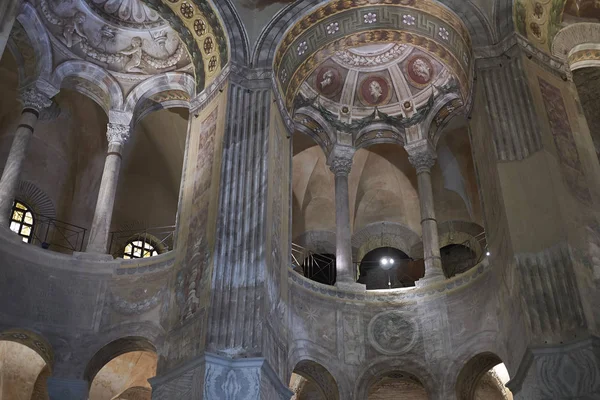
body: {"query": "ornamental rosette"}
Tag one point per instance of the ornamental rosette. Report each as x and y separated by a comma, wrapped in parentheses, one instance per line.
(34, 99)
(117, 133)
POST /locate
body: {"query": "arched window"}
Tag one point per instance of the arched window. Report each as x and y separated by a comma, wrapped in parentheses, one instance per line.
(139, 248)
(21, 221)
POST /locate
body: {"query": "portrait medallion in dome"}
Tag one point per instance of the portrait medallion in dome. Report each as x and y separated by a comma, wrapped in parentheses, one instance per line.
(393, 332)
(374, 90)
(328, 81)
(420, 71)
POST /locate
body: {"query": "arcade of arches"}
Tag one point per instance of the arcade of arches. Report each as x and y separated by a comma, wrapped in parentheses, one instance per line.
(299, 199)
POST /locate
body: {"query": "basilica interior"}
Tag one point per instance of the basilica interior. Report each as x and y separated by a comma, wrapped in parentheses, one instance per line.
(299, 199)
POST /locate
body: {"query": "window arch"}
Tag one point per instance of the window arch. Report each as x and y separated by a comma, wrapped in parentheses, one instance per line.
(140, 247)
(22, 221)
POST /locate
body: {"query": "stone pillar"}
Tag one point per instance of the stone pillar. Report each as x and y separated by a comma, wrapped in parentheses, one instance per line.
(569, 371)
(340, 163)
(117, 134)
(421, 155)
(33, 102)
(8, 15)
(67, 389)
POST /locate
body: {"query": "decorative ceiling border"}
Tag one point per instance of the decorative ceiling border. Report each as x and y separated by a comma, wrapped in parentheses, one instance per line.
(200, 29)
(344, 24)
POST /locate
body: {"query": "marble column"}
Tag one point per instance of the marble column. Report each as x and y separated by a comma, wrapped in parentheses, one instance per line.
(422, 156)
(67, 389)
(34, 101)
(117, 134)
(340, 163)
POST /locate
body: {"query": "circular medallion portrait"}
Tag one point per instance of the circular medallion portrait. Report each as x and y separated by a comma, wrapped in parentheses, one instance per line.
(419, 70)
(392, 332)
(374, 90)
(328, 81)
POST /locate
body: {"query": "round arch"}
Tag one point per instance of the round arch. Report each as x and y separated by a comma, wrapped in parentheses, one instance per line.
(378, 369)
(472, 372)
(38, 37)
(320, 376)
(114, 349)
(34, 341)
(178, 81)
(89, 80)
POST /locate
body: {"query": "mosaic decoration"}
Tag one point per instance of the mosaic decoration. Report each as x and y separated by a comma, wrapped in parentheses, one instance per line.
(200, 30)
(374, 90)
(584, 55)
(423, 24)
(539, 20)
(565, 143)
(328, 81)
(420, 71)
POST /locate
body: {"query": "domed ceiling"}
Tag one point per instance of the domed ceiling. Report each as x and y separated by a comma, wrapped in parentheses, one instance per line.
(396, 78)
(132, 40)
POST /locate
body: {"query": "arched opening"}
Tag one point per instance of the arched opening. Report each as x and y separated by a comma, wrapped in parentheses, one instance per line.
(484, 377)
(121, 369)
(389, 268)
(397, 385)
(22, 221)
(456, 259)
(25, 365)
(148, 191)
(311, 381)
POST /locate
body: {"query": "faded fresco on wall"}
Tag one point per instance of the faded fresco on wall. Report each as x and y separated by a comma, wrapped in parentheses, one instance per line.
(197, 253)
(564, 141)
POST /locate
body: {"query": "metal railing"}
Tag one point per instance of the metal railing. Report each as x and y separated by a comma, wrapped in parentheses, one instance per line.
(160, 237)
(317, 267)
(54, 234)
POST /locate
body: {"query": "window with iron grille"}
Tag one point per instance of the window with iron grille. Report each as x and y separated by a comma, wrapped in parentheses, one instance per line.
(22, 221)
(139, 248)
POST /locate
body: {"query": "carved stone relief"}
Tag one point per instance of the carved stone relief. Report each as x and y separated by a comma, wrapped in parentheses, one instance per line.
(393, 332)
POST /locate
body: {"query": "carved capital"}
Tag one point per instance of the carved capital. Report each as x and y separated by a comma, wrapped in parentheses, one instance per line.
(421, 155)
(117, 133)
(340, 160)
(34, 99)
(340, 166)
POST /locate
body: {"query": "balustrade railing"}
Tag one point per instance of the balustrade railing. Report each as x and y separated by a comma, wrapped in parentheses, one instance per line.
(317, 267)
(53, 234)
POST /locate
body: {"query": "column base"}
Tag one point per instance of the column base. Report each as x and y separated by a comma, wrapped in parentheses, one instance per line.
(67, 389)
(351, 286)
(215, 377)
(566, 371)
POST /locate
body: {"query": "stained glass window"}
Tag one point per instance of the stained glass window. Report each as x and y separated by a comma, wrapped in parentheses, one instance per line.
(21, 221)
(139, 248)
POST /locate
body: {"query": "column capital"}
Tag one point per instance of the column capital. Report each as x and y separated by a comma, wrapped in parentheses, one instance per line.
(340, 160)
(421, 155)
(34, 99)
(117, 133)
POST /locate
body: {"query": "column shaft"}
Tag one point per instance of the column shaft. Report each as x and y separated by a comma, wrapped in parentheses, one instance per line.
(431, 242)
(343, 256)
(98, 240)
(14, 164)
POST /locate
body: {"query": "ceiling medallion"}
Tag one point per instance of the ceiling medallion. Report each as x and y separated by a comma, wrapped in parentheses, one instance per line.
(374, 90)
(420, 71)
(328, 81)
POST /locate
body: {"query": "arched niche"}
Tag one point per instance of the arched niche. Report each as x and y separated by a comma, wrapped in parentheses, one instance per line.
(312, 381)
(26, 360)
(483, 377)
(397, 385)
(400, 373)
(122, 366)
